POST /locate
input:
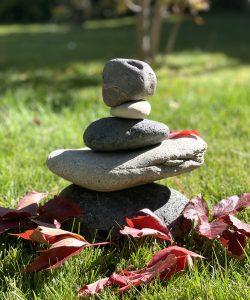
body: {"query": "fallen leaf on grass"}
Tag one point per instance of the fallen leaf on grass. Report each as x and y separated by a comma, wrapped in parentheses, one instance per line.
(164, 264)
(55, 223)
(230, 231)
(94, 288)
(50, 214)
(196, 209)
(146, 223)
(30, 201)
(27, 207)
(184, 133)
(237, 224)
(234, 242)
(212, 229)
(231, 205)
(137, 233)
(48, 235)
(58, 208)
(62, 245)
(53, 258)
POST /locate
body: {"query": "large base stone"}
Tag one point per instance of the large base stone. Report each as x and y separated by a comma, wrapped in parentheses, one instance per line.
(105, 212)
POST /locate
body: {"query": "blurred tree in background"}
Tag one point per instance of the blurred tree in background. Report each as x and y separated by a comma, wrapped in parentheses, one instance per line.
(20, 11)
(150, 17)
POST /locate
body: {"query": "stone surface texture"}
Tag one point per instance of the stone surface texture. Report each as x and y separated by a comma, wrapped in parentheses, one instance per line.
(132, 110)
(106, 211)
(110, 171)
(112, 134)
(127, 79)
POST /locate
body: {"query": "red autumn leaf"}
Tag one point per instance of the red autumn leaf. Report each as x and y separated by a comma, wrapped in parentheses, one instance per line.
(96, 287)
(55, 209)
(33, 235)
(144, 232)
(164, 264)
(212, 229)
(135, 278)
(26, 235)
(29, 202)
(146, 223)
(12, 219)
(60, 209)
(5, 211)
(55, 224)
(58, 253)
(27, 207)
(53, 258)
(237, 224)
(231, 205)
(63, 245)
(145, 218)
(196, 209)
(184, 133)
(234, 242)
(176, 250)
(48, 235)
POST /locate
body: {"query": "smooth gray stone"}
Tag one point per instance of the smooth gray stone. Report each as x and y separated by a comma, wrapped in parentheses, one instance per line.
(127, 79)
(106, 211)
(114, 134)
(111, 171)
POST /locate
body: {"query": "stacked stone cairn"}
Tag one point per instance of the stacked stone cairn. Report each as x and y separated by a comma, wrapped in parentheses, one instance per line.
(113, 177)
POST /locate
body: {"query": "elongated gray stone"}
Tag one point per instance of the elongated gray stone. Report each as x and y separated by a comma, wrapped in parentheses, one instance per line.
(111, 171)
(106, 211)
(127, 79)
(112, 134)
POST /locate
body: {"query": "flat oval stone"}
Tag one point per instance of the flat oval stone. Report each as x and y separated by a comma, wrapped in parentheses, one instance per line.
(104, 212)
(127, 79)
(111, 171)
(132, 110)
(112, 134)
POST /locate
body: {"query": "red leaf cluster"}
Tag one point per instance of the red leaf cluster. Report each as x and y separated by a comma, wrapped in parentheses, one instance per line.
(60, 209)
(62, 245)
(183, 133)
(27, 207)
(29, 212)
(231, 232)
(163, 264)
(146, 223)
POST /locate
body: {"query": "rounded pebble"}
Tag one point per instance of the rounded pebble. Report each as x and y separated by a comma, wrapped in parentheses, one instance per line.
(127, 80)
(132, 110)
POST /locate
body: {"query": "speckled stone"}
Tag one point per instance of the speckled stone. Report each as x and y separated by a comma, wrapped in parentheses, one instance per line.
(114, 134)
(127, 79)
(132, 110)
(107, 211)
(111, 171)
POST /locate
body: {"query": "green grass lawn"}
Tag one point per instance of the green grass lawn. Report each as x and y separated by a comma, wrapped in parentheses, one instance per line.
(51, 90)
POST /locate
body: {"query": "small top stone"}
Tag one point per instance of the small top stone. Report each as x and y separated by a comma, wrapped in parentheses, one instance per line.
(127, 80)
